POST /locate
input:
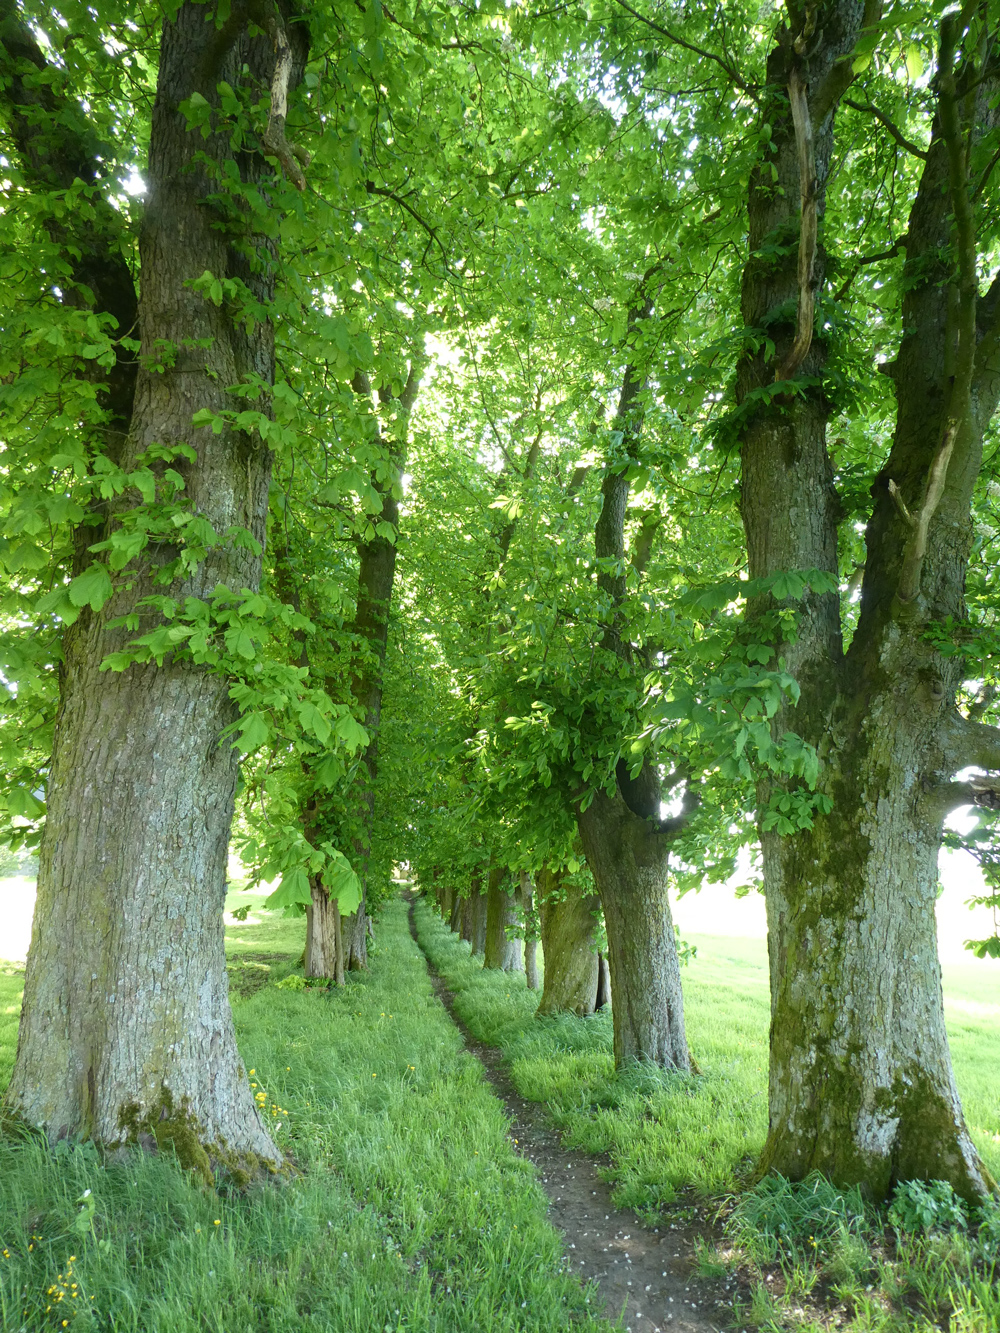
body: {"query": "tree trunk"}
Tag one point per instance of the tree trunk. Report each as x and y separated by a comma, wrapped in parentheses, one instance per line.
(354, 932)
(324, 939)
(457, 913)
(569, 945)
(628, 858)
(477, 937)
(128, 1034)
(603, 983)
(501, 916)
(861, 1086)
(527, 904)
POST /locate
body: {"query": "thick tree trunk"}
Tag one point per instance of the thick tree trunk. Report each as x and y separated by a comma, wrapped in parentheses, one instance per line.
(127, 1032)
(628, 858)
(569, 946)
(501, 916)
(324, 940)
(861, 1085)
(457, 913)
(477, 935)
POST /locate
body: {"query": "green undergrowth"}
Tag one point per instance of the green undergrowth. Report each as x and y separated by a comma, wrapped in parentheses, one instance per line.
(816, 1258)
(665, 1135)
(409, 1210)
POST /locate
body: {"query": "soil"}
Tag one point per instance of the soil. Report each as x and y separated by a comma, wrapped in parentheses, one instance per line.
(645, 1275)
(248, 972)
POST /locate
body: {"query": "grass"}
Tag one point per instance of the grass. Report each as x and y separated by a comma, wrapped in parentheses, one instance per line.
(410, 1210)
(811, 1257)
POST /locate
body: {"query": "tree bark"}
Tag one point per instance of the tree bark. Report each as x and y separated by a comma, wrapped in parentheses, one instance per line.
(569, 946)
(324, 939)
(527, 905)
(860, 1085)
(501, 916)
(628, 859)
(457, 913)
(128, 1034)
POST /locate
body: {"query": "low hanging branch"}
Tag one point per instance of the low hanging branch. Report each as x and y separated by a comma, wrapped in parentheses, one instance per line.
(798, 97)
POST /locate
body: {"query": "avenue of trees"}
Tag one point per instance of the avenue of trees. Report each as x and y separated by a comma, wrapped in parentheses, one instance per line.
(552, 447)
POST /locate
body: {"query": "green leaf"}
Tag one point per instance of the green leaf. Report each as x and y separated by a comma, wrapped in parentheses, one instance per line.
(352, 733)
(254, 731)
(293, 891)
(92, 587)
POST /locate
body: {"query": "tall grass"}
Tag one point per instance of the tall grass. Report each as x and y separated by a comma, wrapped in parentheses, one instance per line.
(409, 1210)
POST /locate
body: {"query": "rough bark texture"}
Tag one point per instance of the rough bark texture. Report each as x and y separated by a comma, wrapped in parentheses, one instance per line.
(324, 939)
(569, 946)
(501, 915)
(126, 1030)
(527, 905)
(861, 1085)
(628, 859)
(457, 910)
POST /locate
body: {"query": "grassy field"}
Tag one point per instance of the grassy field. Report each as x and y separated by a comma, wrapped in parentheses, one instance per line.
(410, 1212)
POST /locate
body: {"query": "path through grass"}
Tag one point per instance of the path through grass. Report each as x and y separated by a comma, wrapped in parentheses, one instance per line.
(664, 1134)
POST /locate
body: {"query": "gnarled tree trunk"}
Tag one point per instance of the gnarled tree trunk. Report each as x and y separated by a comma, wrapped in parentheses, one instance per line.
(861, 1085)
(569, 946)
(127, 1032)
(324, 955)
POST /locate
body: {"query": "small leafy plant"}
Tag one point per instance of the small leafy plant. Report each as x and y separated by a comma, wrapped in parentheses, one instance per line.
(927, 1206)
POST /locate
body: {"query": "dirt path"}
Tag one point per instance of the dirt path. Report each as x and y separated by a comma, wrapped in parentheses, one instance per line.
(646, 1275)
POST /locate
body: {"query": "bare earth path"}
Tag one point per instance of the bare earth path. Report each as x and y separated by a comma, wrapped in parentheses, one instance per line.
(645, 1275)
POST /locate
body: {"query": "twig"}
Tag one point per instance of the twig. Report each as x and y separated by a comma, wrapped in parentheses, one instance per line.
(733, 75)
(894, 131)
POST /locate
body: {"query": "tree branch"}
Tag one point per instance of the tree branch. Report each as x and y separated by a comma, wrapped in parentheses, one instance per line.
(841, 76)
(963, 331)
(291, 158)
(894, 131)
(734, 76)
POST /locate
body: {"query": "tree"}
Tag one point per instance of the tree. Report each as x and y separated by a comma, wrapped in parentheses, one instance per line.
(128, 1033)
(861, 1086)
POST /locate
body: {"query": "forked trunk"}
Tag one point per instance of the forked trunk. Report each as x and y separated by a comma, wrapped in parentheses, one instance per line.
(324, 940)
(628, 858)
(569, 946)
(861, 1085)
(126, 1031)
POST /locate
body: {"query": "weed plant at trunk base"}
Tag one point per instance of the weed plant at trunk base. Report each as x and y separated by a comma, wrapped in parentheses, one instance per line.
(408, 1209)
